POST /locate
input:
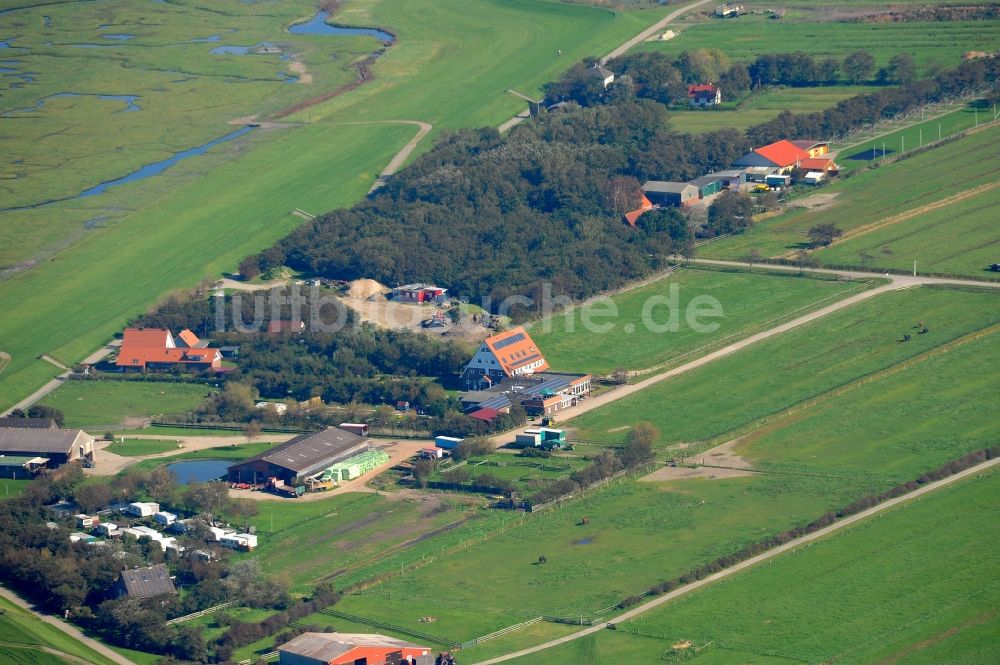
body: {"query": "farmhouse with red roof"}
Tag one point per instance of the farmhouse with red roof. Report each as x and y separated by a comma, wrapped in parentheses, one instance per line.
(704, 94)
(156, 348)
(782, 155)
(504, 355)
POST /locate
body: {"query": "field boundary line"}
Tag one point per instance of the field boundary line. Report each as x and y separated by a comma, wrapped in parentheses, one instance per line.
(790, 546)
(804, 405)
(907, 215)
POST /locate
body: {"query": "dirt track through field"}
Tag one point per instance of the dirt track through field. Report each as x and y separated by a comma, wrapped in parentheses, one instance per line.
(70, 630)
(770, 554)
(910, 214)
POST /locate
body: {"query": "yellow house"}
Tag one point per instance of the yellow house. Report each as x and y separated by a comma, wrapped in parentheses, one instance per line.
(814, 148)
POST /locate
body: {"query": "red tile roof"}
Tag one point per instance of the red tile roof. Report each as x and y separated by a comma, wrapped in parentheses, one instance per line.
(645, 205)
(281, 325)
(514, 349)
(141, 346)
(782, 153)
(188, 337)
(701, 88)
(818, 164)
(485, 415)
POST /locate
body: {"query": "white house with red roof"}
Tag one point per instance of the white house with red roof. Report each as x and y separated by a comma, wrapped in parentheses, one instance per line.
(156, 348)
(701, 95)
(502, 356)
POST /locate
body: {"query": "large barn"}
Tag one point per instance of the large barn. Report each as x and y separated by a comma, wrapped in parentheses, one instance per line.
(56, 446)
(351, 649)
(299, 458)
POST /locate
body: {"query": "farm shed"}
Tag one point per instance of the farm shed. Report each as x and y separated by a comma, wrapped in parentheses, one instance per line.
(419, 293)
(21, 467)
(709, 185)
(813, 177)
(603, 74)
(144, 582)
(305, 455)
(778, 180)
(29, 423)
(783, 155)
(58, 446)
(143, 508)
(670, 193)
(350, 649)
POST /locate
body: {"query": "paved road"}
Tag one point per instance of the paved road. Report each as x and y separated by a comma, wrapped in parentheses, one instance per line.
(69, 629)
(624, 391)
(641, 37)
(770, 554)
(94, 357)
(652, 30)
(902, 281)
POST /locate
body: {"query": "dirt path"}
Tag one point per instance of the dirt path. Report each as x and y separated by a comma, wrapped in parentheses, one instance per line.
(638, 39)
(299, 68)
(236, 285)
(770, 554)
(52, 361)
(94, 357)
(4, 360)
(70, 630)
(718, 462)
(592, 403)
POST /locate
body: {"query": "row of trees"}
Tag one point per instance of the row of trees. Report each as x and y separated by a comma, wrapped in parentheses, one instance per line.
(657, 76)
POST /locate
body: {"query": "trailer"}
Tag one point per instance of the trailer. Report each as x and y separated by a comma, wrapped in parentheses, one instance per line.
(447, 442)
(278, 486)
(531, 438)
(361, 429)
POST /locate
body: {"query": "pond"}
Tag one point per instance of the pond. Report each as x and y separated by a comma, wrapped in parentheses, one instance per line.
(260, 48)
(318, 26)
(199, 471)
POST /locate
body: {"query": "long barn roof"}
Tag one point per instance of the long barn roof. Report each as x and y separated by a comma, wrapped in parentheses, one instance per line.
(306, 451)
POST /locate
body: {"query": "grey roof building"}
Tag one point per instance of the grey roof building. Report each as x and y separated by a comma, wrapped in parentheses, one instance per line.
(670, 193)
(58, 445)
(294, 460)
(144, 582)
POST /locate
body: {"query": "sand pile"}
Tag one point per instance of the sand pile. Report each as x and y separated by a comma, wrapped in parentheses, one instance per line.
(366, 288)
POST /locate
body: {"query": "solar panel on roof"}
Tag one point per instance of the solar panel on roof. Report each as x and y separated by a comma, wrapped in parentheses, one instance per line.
(513, 339)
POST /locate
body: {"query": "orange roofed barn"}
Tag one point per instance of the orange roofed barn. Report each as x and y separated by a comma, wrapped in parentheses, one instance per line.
(155, 348)
(351, 649)
(504, 355)
(783, 155)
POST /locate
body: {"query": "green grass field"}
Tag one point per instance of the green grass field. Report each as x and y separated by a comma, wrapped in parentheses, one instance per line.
(171, 76)
(778, 373)
(914, 135)
(638, 534)
(763, 106)
(140, 447)
(24, 640)
(308, 542)
(908, 587)
(451, 67)
(90, 404)
(748, 300)
(957, 239)
(811, 30)
(880, 194)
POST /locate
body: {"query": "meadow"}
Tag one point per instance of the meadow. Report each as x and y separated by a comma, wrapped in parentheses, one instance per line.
(908, 586)
(875, 195)
(24, 640)
(761, 106)
(801, 364)
(451, 66)
(957, 239)
(892, 142)
(749, 301)
(108, 404)
(814, 30)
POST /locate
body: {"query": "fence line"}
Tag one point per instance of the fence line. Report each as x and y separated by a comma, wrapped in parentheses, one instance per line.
(437, 639)
(500, 633)
(195, 615)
